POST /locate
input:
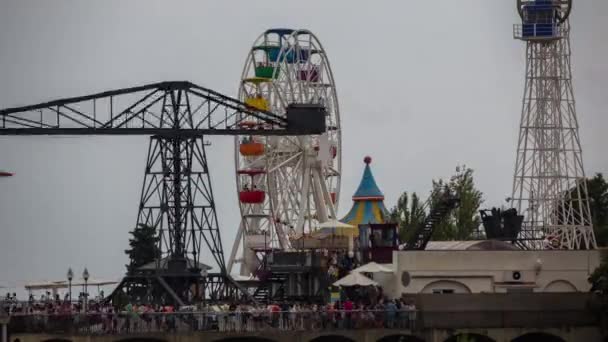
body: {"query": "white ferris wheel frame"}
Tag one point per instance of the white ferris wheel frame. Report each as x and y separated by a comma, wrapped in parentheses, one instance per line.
(293, 173)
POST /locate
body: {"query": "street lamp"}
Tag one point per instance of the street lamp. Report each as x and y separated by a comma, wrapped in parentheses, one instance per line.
(85, 276)
(70, 277)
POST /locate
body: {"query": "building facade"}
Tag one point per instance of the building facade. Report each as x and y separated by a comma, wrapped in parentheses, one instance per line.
(490, 271)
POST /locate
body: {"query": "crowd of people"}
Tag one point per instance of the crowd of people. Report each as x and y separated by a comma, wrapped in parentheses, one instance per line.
(101, 318)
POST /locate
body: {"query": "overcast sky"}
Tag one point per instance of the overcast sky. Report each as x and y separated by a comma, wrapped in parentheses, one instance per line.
(423, 86)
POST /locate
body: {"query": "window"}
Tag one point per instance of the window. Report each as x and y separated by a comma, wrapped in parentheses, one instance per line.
(442, 291)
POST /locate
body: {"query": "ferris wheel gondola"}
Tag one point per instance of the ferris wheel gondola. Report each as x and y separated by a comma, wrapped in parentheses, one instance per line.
(301, 174)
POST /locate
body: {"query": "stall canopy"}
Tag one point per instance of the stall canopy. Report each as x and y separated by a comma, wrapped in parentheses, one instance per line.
(63, 284)
(46, 285)
(335, 228)
(355, 279)
(372, 267)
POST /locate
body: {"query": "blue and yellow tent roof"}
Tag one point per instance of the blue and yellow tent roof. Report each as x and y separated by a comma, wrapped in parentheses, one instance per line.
(368, 206)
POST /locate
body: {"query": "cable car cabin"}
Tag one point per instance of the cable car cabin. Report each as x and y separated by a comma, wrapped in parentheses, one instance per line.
(333, 197)
(333, 150)
(273, 53)
(251, 148)
(263, 70)
(310, 75)
(257, 102)
(377, 242)
(252, 196)
(540, 21)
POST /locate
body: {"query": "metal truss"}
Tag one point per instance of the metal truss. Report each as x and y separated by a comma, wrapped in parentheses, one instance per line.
(549, 186)
(176, 108)
(177, 198)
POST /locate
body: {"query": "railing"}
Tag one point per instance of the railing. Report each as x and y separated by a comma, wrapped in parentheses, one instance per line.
(537, 31)
(187, 322)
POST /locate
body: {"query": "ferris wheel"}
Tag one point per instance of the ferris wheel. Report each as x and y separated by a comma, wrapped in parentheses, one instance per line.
(286, 185)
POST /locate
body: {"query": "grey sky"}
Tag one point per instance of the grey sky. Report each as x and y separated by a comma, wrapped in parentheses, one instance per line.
(422, 85)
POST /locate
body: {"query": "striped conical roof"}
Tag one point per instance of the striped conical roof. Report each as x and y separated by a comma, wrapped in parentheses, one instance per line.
(368, 189)
(368, 206)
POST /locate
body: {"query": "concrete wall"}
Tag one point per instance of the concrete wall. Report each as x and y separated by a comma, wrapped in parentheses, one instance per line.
(492, 271)
(586, 334)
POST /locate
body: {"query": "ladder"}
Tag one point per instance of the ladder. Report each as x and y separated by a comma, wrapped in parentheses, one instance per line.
(444, 206)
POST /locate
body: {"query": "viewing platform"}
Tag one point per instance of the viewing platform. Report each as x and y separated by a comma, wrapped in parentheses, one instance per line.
(538, 32)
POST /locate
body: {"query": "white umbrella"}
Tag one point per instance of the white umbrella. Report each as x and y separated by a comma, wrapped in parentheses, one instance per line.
(372, 267)
(355, 279)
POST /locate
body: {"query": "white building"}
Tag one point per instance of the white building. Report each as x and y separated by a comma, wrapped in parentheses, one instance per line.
(469, 267)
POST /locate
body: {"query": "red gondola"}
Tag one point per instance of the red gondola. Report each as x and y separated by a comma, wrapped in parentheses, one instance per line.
(251, 172)
(252, 196)
(251, 149)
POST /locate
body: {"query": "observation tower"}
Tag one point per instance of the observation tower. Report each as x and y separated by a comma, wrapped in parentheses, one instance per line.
(549, 186)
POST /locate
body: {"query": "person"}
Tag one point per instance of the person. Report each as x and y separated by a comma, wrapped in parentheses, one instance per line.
(284, 316)
(411, 307)
(391, 312)
(348, 308)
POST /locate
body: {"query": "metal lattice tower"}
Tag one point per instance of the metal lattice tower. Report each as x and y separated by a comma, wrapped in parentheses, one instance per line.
(549, 186)
(177, 199)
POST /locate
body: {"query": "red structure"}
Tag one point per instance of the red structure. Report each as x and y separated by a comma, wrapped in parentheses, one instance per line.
(383, 240)
(252, 196)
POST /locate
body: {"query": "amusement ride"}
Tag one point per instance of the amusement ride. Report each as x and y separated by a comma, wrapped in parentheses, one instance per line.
(288, 185)
(287, 131)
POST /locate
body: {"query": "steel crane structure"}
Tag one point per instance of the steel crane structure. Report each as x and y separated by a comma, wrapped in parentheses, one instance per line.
(549, 187)
(177, 197)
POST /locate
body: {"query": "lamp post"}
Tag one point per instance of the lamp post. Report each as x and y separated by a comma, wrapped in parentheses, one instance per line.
(85, 276)
(70, 277)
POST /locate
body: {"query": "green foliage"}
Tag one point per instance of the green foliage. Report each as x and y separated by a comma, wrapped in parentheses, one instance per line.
(597, 187)
(409, 213)
(445, 229)
(599, 285)
(466, 216)
(144, 247)
(599, 278)
(464, 220)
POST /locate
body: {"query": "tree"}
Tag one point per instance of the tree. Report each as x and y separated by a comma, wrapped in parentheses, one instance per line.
(597, 188)
(144, 247)
(445, 229)
(460, 224)
(599, 286)
(408, 215)
(466, 216)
